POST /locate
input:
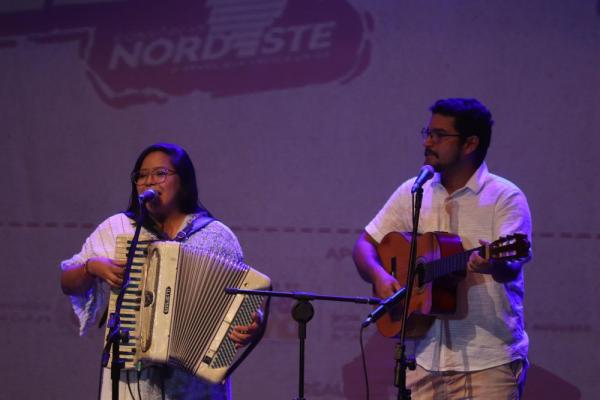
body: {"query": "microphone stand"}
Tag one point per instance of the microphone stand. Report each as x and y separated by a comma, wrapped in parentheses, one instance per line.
(302, 312)
(116, 334)
(402, 361)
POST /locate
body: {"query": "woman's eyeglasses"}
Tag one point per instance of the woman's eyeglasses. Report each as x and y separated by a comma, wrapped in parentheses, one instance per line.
(157, 175)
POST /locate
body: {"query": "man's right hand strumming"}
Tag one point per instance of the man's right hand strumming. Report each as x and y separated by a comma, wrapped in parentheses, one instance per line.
(384, 285)
(370, 268)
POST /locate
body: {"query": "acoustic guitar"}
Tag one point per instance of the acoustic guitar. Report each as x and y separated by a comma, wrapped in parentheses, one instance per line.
(441, 264)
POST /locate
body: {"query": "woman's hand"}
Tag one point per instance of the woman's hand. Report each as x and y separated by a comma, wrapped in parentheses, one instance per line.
(244, 334)
(109, 270)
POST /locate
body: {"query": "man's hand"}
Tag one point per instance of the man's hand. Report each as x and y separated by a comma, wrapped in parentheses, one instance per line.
(479, 264)
(501, 271)
(385, 285)
(370, 268)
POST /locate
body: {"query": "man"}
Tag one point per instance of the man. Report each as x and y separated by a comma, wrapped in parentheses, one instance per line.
(481, 351)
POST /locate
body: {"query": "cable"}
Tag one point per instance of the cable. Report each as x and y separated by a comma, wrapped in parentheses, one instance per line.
(162, 382)
(364, 362)
(129, 385)
(139, 376)
(100, 380)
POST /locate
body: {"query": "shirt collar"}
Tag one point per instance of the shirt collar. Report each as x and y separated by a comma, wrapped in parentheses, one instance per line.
(478, 179)
(475, 182)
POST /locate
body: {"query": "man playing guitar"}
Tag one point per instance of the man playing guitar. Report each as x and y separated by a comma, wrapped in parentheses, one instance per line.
(480, 350)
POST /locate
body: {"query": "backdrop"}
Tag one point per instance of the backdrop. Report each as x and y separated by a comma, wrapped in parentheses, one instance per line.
(302, 117)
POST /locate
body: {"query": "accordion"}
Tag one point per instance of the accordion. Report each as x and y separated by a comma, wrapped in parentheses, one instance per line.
(176, 309)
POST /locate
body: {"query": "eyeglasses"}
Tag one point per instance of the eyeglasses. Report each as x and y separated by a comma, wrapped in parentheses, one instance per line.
(158, 175)
(435, 135)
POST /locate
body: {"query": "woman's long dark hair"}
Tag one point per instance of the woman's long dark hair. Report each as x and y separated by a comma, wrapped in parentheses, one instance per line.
(188, 195)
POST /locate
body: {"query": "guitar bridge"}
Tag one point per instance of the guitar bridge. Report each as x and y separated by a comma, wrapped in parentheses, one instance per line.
(420, 274)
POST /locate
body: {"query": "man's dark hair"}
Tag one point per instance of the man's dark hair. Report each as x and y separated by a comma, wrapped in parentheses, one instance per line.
(471, 119)
(187, 197)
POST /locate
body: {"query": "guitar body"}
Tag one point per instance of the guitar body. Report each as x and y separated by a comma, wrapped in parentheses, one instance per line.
(437, 297)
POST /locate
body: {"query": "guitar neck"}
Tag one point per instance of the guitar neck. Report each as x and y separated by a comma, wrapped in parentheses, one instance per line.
(445, 266)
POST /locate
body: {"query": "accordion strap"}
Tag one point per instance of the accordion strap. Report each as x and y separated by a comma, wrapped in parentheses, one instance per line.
(197, 223)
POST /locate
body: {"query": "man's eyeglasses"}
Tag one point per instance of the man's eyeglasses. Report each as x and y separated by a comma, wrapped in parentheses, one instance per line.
(435, 135)
(157, 175)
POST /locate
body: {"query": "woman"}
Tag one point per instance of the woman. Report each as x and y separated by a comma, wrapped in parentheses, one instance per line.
(175, 214)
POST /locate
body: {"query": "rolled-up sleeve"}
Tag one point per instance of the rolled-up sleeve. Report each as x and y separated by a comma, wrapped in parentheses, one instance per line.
(512, 215)
(394, 216)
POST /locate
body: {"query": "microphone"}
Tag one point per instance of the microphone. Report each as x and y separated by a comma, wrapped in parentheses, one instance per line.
(385, 306)
(147, 196)
(425, 174)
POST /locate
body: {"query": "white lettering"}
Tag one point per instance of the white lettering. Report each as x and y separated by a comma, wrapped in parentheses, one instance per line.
(297, 32)
(187, 48)
(273, 42)
(158, 52)
(130, 58)
(211, 49)
(195, 49)
(320, 37)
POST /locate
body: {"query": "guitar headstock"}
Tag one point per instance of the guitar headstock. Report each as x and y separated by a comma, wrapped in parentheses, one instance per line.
(513, 247)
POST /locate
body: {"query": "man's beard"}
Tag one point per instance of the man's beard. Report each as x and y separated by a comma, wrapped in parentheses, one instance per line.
(441, 167)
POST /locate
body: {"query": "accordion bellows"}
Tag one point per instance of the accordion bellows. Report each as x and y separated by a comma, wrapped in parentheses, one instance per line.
(177, 310)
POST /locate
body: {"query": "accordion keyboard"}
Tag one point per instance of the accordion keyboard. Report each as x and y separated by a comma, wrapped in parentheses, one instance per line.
(132, 300)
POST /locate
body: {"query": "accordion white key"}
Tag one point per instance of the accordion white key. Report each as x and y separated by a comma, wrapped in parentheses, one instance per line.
(177, 310)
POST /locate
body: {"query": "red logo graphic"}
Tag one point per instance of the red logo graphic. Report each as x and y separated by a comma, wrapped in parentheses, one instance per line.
(148, 51)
